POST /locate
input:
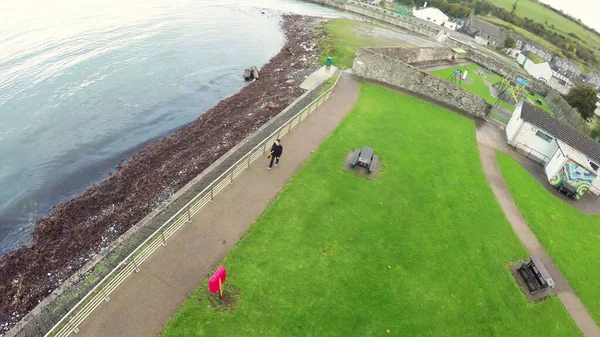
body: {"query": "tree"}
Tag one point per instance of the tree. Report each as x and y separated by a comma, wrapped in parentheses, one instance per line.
(514, 8)
(583, 97)
(510, 42)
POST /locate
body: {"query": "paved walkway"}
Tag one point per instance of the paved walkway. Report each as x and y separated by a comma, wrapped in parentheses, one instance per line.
(146, 300)
(494, 137)
(565, 293)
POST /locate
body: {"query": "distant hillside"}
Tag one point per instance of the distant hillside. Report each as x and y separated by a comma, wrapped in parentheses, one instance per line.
(553, 20)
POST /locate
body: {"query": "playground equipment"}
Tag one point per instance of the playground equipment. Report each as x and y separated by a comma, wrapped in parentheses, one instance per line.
(458, 75)
(512, 92)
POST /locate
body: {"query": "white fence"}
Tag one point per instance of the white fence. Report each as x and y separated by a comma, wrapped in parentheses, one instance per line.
(101, 292)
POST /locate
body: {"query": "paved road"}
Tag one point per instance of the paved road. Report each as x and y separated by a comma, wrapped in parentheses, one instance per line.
(565, 293)
(145, 301)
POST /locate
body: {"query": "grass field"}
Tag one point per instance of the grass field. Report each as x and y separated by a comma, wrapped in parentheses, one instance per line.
(562, 25)
(571, 238)
(534, 58)
(340, 255)
(344, 36)
(477, 86)
(523, 33)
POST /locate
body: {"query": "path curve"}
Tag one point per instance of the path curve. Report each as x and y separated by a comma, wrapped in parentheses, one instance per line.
(565, 293)
(143, 304)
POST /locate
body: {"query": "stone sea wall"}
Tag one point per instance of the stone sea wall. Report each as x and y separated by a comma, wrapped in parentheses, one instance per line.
(381, 14)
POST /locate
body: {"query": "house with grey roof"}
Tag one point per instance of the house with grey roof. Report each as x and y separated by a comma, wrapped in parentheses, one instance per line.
(565, 67)
(571, 159)
(484, 30)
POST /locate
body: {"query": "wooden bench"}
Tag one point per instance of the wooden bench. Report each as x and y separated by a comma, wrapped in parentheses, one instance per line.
(365, 157)
(568, 189)
(536, 275)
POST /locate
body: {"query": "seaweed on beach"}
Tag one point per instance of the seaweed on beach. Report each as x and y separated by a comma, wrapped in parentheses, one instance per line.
(75, 231)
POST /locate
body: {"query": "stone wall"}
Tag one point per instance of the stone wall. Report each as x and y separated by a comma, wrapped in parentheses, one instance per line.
(491, 63)
(381, 14)
(421, 56)
(482, 59)
(370, 64)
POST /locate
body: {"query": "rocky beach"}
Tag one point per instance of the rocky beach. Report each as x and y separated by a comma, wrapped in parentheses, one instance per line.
(75, 231)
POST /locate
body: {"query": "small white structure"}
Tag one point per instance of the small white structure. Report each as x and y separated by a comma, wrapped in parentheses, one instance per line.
(568, 156)
(450, 25)
(431, 14)
(560, 83)
(539, 71)
(514, 53)
(481, 40)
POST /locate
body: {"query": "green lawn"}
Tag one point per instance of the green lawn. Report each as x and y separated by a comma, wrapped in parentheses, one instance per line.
(477, 86)
(544, 106)
(534, 58)
(422, 251)
(344, 36)
(570, 237)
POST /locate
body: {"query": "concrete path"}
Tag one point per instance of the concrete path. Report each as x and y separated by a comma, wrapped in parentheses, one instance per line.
(322, 74)
(146, 300)
(565, 293)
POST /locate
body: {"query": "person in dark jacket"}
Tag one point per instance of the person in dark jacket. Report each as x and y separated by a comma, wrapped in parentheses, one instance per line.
(276, 152)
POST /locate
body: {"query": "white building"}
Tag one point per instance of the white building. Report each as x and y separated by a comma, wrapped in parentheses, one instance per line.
(539, 71)
(560, 83)
(432, 15)
(514, 53)
(570, 158)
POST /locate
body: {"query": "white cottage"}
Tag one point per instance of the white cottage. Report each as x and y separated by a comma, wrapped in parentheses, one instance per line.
(571, 160)
(431, 14)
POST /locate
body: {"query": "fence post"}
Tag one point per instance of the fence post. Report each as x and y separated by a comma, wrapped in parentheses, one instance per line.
(231, 177)
(212, 195)
(290, 126)
(137, 269)
(162, 235)
(106, 297)
(189, 215)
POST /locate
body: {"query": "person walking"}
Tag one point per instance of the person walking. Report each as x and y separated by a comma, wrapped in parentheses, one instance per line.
(276, 152)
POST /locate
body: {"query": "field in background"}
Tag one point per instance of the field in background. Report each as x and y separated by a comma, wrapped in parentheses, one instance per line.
(422, 251)
(571, 238)
(562, 25)
(343, 37)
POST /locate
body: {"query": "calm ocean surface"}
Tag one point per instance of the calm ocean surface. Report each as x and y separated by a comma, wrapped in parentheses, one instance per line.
(85, 84)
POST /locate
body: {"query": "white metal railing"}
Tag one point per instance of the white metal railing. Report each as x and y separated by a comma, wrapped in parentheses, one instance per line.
(70, 321)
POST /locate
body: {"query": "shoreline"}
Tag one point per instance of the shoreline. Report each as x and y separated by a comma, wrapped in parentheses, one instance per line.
(77, 230)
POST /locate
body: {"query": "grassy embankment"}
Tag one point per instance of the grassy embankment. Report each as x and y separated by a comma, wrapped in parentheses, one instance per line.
(548, 18)
(337, 254)
(570, 237)
(342, 37)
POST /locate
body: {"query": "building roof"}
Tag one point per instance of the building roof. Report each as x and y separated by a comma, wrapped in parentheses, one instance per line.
(576, 156)
(565, 133)
(484, 26)
(432, 12)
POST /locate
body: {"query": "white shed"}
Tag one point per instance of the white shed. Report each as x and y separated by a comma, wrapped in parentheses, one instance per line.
(431, 14)
(539, 71)
(568, 156)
